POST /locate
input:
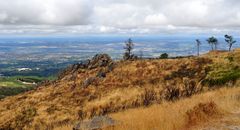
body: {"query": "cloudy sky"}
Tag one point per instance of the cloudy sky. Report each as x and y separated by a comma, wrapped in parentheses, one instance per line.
(33, 17)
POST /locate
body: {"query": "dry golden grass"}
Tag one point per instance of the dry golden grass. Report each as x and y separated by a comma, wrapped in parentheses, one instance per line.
(131, 84)
(174, 115)
(180, 115)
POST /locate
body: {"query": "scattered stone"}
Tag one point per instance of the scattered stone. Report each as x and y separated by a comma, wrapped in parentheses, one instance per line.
(88, 82)
(110, 67)
(97, 122)
(101, 74)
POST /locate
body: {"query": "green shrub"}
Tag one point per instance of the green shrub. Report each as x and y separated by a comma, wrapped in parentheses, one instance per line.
(163, 56)
(222, 77)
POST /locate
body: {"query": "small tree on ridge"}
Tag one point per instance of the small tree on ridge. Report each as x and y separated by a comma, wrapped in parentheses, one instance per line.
(229, 39)
(213, 42)
(128, 50)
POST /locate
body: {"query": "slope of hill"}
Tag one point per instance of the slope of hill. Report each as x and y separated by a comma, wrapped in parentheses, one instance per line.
(101, 86)
(199, 112)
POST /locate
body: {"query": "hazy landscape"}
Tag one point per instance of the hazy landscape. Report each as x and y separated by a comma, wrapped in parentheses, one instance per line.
(119, 65)
(43, 58)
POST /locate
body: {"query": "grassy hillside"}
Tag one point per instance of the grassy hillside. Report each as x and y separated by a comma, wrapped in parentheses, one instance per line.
(104, 87)
(188, 113)
(183, 114)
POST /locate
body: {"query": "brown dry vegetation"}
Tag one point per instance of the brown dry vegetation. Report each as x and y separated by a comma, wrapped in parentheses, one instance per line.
(130, 84)
(183, 114)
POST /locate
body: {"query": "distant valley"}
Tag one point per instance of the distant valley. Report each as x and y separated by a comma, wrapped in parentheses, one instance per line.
(40, 59)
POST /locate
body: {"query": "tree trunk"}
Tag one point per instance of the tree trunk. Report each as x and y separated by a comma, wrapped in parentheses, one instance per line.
(198, 50)
(230, 46)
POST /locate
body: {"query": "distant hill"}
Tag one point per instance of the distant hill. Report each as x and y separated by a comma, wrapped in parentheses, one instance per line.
(101, 86)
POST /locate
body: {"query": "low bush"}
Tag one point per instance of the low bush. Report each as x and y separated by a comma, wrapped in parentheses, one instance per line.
(9, 91)
(222, 77)
(163, 56)
(202, 112)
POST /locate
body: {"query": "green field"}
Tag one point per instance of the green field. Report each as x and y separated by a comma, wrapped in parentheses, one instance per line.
(17, 84)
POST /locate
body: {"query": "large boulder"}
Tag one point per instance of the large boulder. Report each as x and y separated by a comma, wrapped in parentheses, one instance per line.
(96, 123)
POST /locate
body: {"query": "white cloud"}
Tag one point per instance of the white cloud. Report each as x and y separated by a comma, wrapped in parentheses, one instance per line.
(118, 16)
(53, 12)
(156, 19)
(3, 16)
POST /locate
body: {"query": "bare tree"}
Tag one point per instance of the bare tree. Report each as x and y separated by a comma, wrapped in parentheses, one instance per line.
(198, 46)
(128, 50)
(230, 40)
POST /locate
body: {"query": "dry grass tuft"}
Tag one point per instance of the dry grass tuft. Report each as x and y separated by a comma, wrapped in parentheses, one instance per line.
(202, 112)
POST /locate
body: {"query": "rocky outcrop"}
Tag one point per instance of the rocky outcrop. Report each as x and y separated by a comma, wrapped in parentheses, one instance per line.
(96, 123)
(99, 60)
